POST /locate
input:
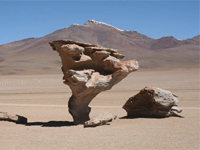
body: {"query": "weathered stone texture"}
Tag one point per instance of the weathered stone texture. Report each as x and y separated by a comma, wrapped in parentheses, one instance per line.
(88, 70)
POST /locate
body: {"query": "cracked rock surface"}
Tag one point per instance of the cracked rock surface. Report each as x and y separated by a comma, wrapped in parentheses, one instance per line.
(88, 70)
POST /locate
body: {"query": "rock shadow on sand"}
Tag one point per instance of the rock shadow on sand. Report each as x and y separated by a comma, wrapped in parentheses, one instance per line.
(51, 124)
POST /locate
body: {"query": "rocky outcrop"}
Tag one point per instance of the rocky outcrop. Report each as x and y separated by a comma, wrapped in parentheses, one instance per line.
(88, 70)
(13, 118)
(100, 120)
(152, 102)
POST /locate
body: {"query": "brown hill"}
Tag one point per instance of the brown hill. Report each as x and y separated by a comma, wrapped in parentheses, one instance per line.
(35, 56)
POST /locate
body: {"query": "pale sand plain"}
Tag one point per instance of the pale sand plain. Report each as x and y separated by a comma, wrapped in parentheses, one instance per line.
(43, 100)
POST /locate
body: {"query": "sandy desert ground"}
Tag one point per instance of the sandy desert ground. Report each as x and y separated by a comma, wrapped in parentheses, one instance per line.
(43, 100)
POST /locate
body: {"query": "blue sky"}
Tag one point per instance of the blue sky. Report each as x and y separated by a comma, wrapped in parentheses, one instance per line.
(25, 19)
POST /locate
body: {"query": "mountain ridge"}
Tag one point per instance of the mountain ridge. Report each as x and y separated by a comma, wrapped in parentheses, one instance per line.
(34, 55)
(89, 22)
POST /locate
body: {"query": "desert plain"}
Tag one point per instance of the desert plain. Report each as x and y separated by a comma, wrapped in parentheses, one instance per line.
(43, 100)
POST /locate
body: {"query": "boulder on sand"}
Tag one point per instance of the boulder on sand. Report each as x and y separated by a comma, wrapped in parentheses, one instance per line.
(152, 102)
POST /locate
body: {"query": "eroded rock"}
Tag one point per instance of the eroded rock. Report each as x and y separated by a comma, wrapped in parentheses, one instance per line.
(14, 118)
(88, 70)
(152, 102)
(100, 120)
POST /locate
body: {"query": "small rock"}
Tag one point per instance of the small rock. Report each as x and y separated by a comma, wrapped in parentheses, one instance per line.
(100, 120)
(14, 118)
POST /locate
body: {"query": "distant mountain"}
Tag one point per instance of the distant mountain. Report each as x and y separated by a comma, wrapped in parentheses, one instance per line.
(35, 56)
(170, 42)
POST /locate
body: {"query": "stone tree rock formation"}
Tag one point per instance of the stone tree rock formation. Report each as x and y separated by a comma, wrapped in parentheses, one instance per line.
(89, 69)
(152, 102)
